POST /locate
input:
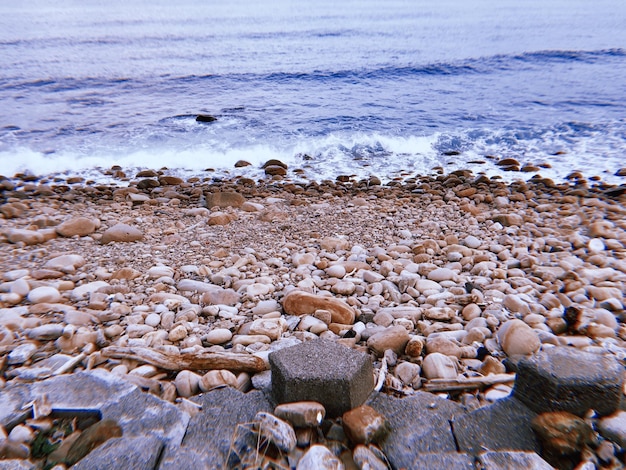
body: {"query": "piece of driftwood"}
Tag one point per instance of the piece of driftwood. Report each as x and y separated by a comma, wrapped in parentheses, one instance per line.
(382, 373)
(188, 361)
(467, 383)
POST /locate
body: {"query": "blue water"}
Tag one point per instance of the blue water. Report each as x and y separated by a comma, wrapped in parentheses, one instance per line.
(353, 87)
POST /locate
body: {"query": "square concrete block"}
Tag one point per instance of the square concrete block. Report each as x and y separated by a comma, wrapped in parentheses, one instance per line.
(320, 370)
(567, 379)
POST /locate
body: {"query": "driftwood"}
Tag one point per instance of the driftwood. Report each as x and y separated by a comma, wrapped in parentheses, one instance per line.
(188, 361)
(467, 383)
(382, 373)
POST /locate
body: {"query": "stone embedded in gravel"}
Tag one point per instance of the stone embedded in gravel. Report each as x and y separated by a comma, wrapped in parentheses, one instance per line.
(220, 218)
(270, 327)
(187, 383)
(44, 294)
(28, 237)
(224, 199)
(364, 457)
(364, 425)
(301, 413)
(78, 226)
(85, 290)
(65, 263)
(302, 303)
(441, 274)
(47, 332)
(121, 233)
(517, 338)
(439, 366)
(318, 457)
(218, 336)
(393, 337)
(516, 305)
(217, 378)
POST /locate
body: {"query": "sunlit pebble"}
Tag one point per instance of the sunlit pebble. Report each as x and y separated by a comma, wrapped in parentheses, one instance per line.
(596, 245)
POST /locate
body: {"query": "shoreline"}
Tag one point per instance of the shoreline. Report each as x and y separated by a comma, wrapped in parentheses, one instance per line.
(434, 266)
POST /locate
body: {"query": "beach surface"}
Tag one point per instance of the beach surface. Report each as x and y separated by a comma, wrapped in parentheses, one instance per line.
(438, 279)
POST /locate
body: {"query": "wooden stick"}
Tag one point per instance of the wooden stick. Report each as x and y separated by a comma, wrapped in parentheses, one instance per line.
(467, 383)
(382, 372)
(188, 361)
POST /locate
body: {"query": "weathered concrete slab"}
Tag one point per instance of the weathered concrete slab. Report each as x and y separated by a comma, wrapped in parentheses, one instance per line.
(505, 425)
(187, 459)
(320, 370)
(138, 453)
(442, 460)
(567, 379)
(12, 400)
(13, 464)
(417, 424)
(210, 432)
(513, 461)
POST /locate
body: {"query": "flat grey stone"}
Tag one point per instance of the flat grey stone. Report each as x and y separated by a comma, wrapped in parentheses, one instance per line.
(12, 400)
(567, 379)
(417, 424)
(138, 453)
(505, 425)
(210, 432)
(143, 414)
(443, 460)
(320, 370)
(513, 461)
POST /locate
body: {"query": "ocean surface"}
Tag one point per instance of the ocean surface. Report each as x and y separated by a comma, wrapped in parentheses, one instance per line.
(361, 88)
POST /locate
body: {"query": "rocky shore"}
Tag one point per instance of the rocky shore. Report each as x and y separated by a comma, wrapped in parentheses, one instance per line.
(181, 287)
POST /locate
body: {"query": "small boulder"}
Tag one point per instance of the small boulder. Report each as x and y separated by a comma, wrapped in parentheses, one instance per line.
(302, 303)
(121, 233)
(81, 226)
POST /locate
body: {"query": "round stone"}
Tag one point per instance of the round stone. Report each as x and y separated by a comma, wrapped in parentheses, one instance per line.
(218, 336)
(44, 294)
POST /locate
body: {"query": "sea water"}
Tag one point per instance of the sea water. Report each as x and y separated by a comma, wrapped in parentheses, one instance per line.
(348, 87)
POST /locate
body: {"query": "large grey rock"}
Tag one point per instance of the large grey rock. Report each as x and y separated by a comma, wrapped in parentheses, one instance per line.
(513, 460)
(442, 460)
(335, 376)
(14, 464)
(567, 379)
(210, 432)
(419, 424)
(138, 453)
(505, 425)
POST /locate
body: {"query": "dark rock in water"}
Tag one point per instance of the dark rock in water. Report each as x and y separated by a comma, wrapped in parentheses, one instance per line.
(148, 184)
(274, 162)
(616, 192)
(343, 178)
(147, 174)
(242, 163)
(205, 118)
(273, 170)
(451, 153)
(508, 162)
(621, 172)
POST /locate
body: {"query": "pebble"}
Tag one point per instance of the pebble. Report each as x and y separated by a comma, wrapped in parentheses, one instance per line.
(121, 233)
(44, 294)
(409, 373)
(302, 303)
(218, 336)
(21, 354)
(517, 338)
(367, 459)
(78, 226)
(318, 457)
(562, 432)
(439, 366)
(301, 413)
(394, 338)
(217, 378)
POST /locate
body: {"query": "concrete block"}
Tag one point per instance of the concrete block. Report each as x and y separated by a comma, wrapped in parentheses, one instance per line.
(513, 461)
(567, 379)
(418, 424)
(210, 432)
(443, 460)
(505, 425)
(324, 371)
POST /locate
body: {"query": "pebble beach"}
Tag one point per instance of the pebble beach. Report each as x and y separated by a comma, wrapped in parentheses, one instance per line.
(184, 285)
